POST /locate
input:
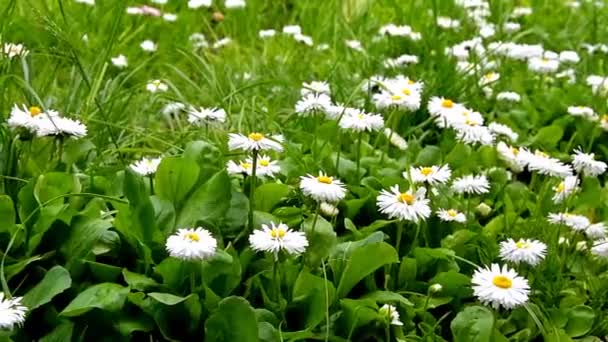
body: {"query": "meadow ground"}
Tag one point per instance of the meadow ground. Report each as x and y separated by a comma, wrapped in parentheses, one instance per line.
(315, 170)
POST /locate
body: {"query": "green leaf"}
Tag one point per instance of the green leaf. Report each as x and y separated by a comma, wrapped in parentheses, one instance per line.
(175, 178)
(320, 241)
(360, 264)
(358, 312)
(53, 184)
(473, 324)
(309, 293)
(138, 281)
(167, 298)
(407, 271)
(548, 136)
(221, 327)
(353, 9)
(106, 296)
(208, 203)
(388, 297)
(430, 155)
(268, 195)
(84, 234)
(580, 320)
(142, 212)
(128, 324)
(453, 284)
(62, 333)
(459, 156)
(55, 281)
(7, 212)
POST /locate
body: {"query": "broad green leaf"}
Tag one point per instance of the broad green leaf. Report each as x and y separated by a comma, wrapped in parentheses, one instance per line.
(473, 324)
(430, 155)
(459, 156)
(142, 212)
(7, 212)
(62, 333)
(580, 320)
(106, 296)
(548, 136)
(388, 297)
(309, 292)
(167, 298)
(85, 232)
(407, 271)
(175, 178)
(357, 312)
(453, 284)
(221, 327)
(138, 281)
(128, 324)
(320, 241)
(267, 333)
(208, 203)
(55, 281)
(360, 264)
(53, 184)
(48, 215)
(173, 272)
(268, 195)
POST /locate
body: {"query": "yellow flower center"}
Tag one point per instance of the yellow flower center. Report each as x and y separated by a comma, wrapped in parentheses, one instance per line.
(489, 75)
(541, 154)
(515, 150)
(264, 162)
(561, 187)
(407, 198)
(545, 60)
(277, 233)
(470, 122)
(156, 83)
(35, 110)
(395, 97)
(502, 282)
(193, 237)
(256, 136)
(522, 245)
(406, 91)
(361, 116)
(426, 171)
(447, 103)
(605, 117)
(411, 81)
(325, 179)
(452, 213)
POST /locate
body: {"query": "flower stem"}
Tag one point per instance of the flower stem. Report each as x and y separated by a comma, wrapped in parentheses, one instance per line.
(151, 180)
(326, 301)
(315, 219)
(276, 280)
(359, 139)
(252, 181)
(399, 234)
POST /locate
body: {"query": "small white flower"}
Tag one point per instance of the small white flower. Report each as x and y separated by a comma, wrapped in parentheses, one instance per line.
(235, 3)
(275, 238)
(511, 27)
(354, 44)
(12, 312)
(483, 209)
(198, 40)
(435, 288)
(322, 188)
(528, 251)
(565, 188)
(304, 39)
(360, 121)
(146, 166)
(391, 314)
(569, 57)
(194, 4)
(86, 2)
(450, 215)
(586, 163)
(267, 33)
(508, 96)
(156, 86)
(521, 12)
(315, 87)
(160, 2)
(500, 129)
(328, 209)
(543, 163)
(53, 124)
(471, 132)
(173, 108)
(500, 287)
(489, 78)
(120, 61)
(311, 103)
(407, 206)
(395, 139)
(221, 42)
(28, 118)
(582, 111)
(471, 184)
(292, 30)
(254, 142)
(202, 115)
(148, 46)
(432, 175)
(575, 222)
(600, 248)
(191, 244)
(448, 23)
(596, 231)
(15, 50)
(170, 17)
(543, 65)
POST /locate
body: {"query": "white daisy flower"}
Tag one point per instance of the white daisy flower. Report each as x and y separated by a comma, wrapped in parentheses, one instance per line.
(57, 125)
(304, 39)
(198, 40)
(489, 78)
(600, 248)
(221, 42)
(254, 142)
(360, 121)
(500, 287)
(504, 130)
(267, 33)
(328, 209)
(471, 184)
(146, 166)
(521, 12)
(569, 57)
(315, 87)
(400, 61)
(120, 61)
(443, 109)
(191, 244)
(311, 103)
(407, 206)
(604, 122)
(234, 4)
(156, 86)
(194, 4)
(292, 30)
(432, 175)
(470, 132)
(408, 99)
(12, 312)
(169, 17)
(354, 44)
(173, 108)
(275, 238)
(582, 111)
(449, 215)
(527, 251)
(586, 163)
(565, 188)
(575, 222)
(202, 115)
(14, 50)
(508, 96)
(148, 46)
(391, 314)
(323, 188)
(395, 139)
(448, 23)
(24, 117)
(543, 163)
(266, 167)
(511, 27)
(596, 231)
(543, 65)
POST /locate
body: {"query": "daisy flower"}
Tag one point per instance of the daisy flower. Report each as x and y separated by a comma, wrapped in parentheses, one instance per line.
(194, 4)
(508, 96)
(407, 206)
(275, 238)
(120, 61)
(395, 139)
(354, 44)
(221, 42)
(582, 111)
(267, 33)
(315, 87)
(524, 250)
(450, 215)
(448, 23)
(543, 65)
(408, 99)
(444, 108)
(328, 209)
(14, 50)
(234, 4)
(148, 46)
(489, 78)
(432, 175)
(254, 142)
(390, 313)
(24, 117)
(504, 130)
(156, 86)
(600, 248)
(596, 231)
(500, 287)
(292, 29)
(565, 188)
(575, 222)
(202, 115)
(604, 122)
(360, 121)
(53, 124)
(471, 184)
(323, 188)
(146, 166)
(191, 244)
(173, 108)
(12, 312)
(509, 155)
(470, 132)
(543, 163)
(312, 102)
(586, 163)
(569, 57)
(304, 39)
